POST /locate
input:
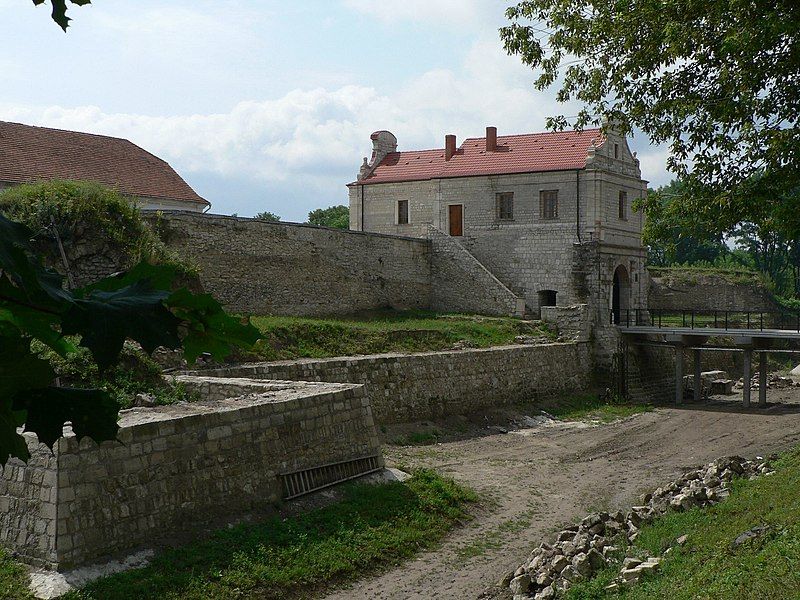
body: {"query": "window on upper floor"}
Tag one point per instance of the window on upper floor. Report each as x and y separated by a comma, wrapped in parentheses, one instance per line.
(623, 206)
(616, 150)
(505, 206)
(548, 204)
(402, 212)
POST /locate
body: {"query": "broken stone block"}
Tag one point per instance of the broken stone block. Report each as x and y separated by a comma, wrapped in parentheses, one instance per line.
(630, 562)
(582, 564)
(520, 585)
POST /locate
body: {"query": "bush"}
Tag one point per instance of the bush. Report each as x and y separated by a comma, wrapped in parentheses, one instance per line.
(86, 214)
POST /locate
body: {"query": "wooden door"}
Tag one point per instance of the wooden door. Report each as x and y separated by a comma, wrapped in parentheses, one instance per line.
(456, 219)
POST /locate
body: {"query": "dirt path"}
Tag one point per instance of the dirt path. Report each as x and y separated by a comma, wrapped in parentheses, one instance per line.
(537, 479)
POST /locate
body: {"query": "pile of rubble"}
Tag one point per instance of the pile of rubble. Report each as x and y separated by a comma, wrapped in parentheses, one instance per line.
(774, 381)
(597, 541)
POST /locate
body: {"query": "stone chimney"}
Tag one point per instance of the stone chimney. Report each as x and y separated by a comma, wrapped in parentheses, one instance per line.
(491, 139)
(449, 146)
(383, 143)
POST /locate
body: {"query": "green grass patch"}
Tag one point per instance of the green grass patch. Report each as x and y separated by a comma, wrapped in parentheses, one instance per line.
(593, 407)
(708, 566)
(495, 538)
(13, 579)
(385, 331)
(373, 526)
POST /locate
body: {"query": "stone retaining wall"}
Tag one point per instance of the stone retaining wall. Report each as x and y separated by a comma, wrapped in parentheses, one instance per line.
(429, 385)
(694, 289)
(257, 267)
(176, 467)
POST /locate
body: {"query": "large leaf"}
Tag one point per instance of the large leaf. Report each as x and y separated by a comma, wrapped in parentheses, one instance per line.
(160, 277)
(26, 281)
(208, 327)
(59, 13)
(11, 442)
(92, 412)
(104, 320)
(41, 325)
(20, 369)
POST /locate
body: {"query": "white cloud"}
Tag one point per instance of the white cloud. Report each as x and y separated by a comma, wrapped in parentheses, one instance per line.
(437, 11)
(316, 137)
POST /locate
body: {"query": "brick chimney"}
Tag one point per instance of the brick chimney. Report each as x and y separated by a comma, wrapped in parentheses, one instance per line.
(491, 139)
(449, 146)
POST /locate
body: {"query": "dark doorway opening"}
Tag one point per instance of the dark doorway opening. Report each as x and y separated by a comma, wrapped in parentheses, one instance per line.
(547, 297)
(620, 295)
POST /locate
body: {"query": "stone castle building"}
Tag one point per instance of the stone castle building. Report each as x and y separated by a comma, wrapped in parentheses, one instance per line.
(30, 154)
(548, 214)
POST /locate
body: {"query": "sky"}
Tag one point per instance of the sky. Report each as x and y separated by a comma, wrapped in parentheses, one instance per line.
(265, 105)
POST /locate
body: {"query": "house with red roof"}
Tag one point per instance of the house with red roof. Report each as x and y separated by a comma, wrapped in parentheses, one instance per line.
(30, 154)
(550, 215)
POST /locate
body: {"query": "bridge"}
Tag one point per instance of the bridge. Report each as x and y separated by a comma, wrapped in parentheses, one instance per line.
(692, 330)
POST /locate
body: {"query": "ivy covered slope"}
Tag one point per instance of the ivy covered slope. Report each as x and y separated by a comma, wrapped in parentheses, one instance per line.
(136, 305)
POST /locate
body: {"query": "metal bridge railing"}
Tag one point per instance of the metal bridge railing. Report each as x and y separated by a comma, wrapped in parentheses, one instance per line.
(707, 319)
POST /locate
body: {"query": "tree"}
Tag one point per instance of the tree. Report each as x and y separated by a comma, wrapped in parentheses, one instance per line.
(137, 305)
(719, 81)
(674, 237)
(337, 217)
(267, 216)
(59, 12)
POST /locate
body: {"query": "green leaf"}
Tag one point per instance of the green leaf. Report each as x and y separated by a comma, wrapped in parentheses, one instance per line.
(59, 13)
(104, 320)
(93, 413)
(37, 324)
(160, 277)
(11, 442)
(20, 369)
(209, 328)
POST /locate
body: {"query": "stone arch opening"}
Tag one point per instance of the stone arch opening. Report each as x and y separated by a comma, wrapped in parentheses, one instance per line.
(547, 297)
(620, 294)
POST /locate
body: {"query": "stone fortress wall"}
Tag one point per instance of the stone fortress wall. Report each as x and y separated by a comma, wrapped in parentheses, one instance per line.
(176, 467)
(431, 385)
(695, 289)
(257, 267)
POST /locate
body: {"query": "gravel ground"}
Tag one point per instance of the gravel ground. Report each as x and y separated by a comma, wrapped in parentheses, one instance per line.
(534, 479)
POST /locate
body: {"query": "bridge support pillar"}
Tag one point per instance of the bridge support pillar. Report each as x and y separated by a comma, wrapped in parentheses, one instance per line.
(678, 374)
(697, 381)
(747, 376)
(762, 379)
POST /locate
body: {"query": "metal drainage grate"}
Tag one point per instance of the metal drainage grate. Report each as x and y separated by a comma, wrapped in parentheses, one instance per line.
(303, 482)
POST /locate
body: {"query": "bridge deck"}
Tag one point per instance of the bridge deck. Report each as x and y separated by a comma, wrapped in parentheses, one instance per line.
(770, 334)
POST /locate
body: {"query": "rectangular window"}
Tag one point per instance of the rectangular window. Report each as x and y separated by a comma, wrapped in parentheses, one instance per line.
(505, 206)
(402, 212)
(548, 204)
(616, 150)
(623, 206)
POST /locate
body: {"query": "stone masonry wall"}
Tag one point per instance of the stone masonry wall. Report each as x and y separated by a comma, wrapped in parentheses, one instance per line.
(462, 284)
(28, 500)
(692, 289)
(430, 385)
(257, 267)
(177, 467)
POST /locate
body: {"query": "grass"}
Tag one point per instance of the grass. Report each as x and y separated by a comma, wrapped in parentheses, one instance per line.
(592, 407)
(373, 526)
(385, 331)
(495, 538)
(13, 579)
(707, 566)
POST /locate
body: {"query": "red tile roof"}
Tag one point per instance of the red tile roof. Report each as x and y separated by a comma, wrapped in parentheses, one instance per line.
(524, 153)
(29, 154)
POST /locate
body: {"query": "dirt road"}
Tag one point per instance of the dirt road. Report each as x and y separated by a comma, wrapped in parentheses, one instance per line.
(536, 479)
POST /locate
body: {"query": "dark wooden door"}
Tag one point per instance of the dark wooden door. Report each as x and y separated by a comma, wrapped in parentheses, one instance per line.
(456, 219)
